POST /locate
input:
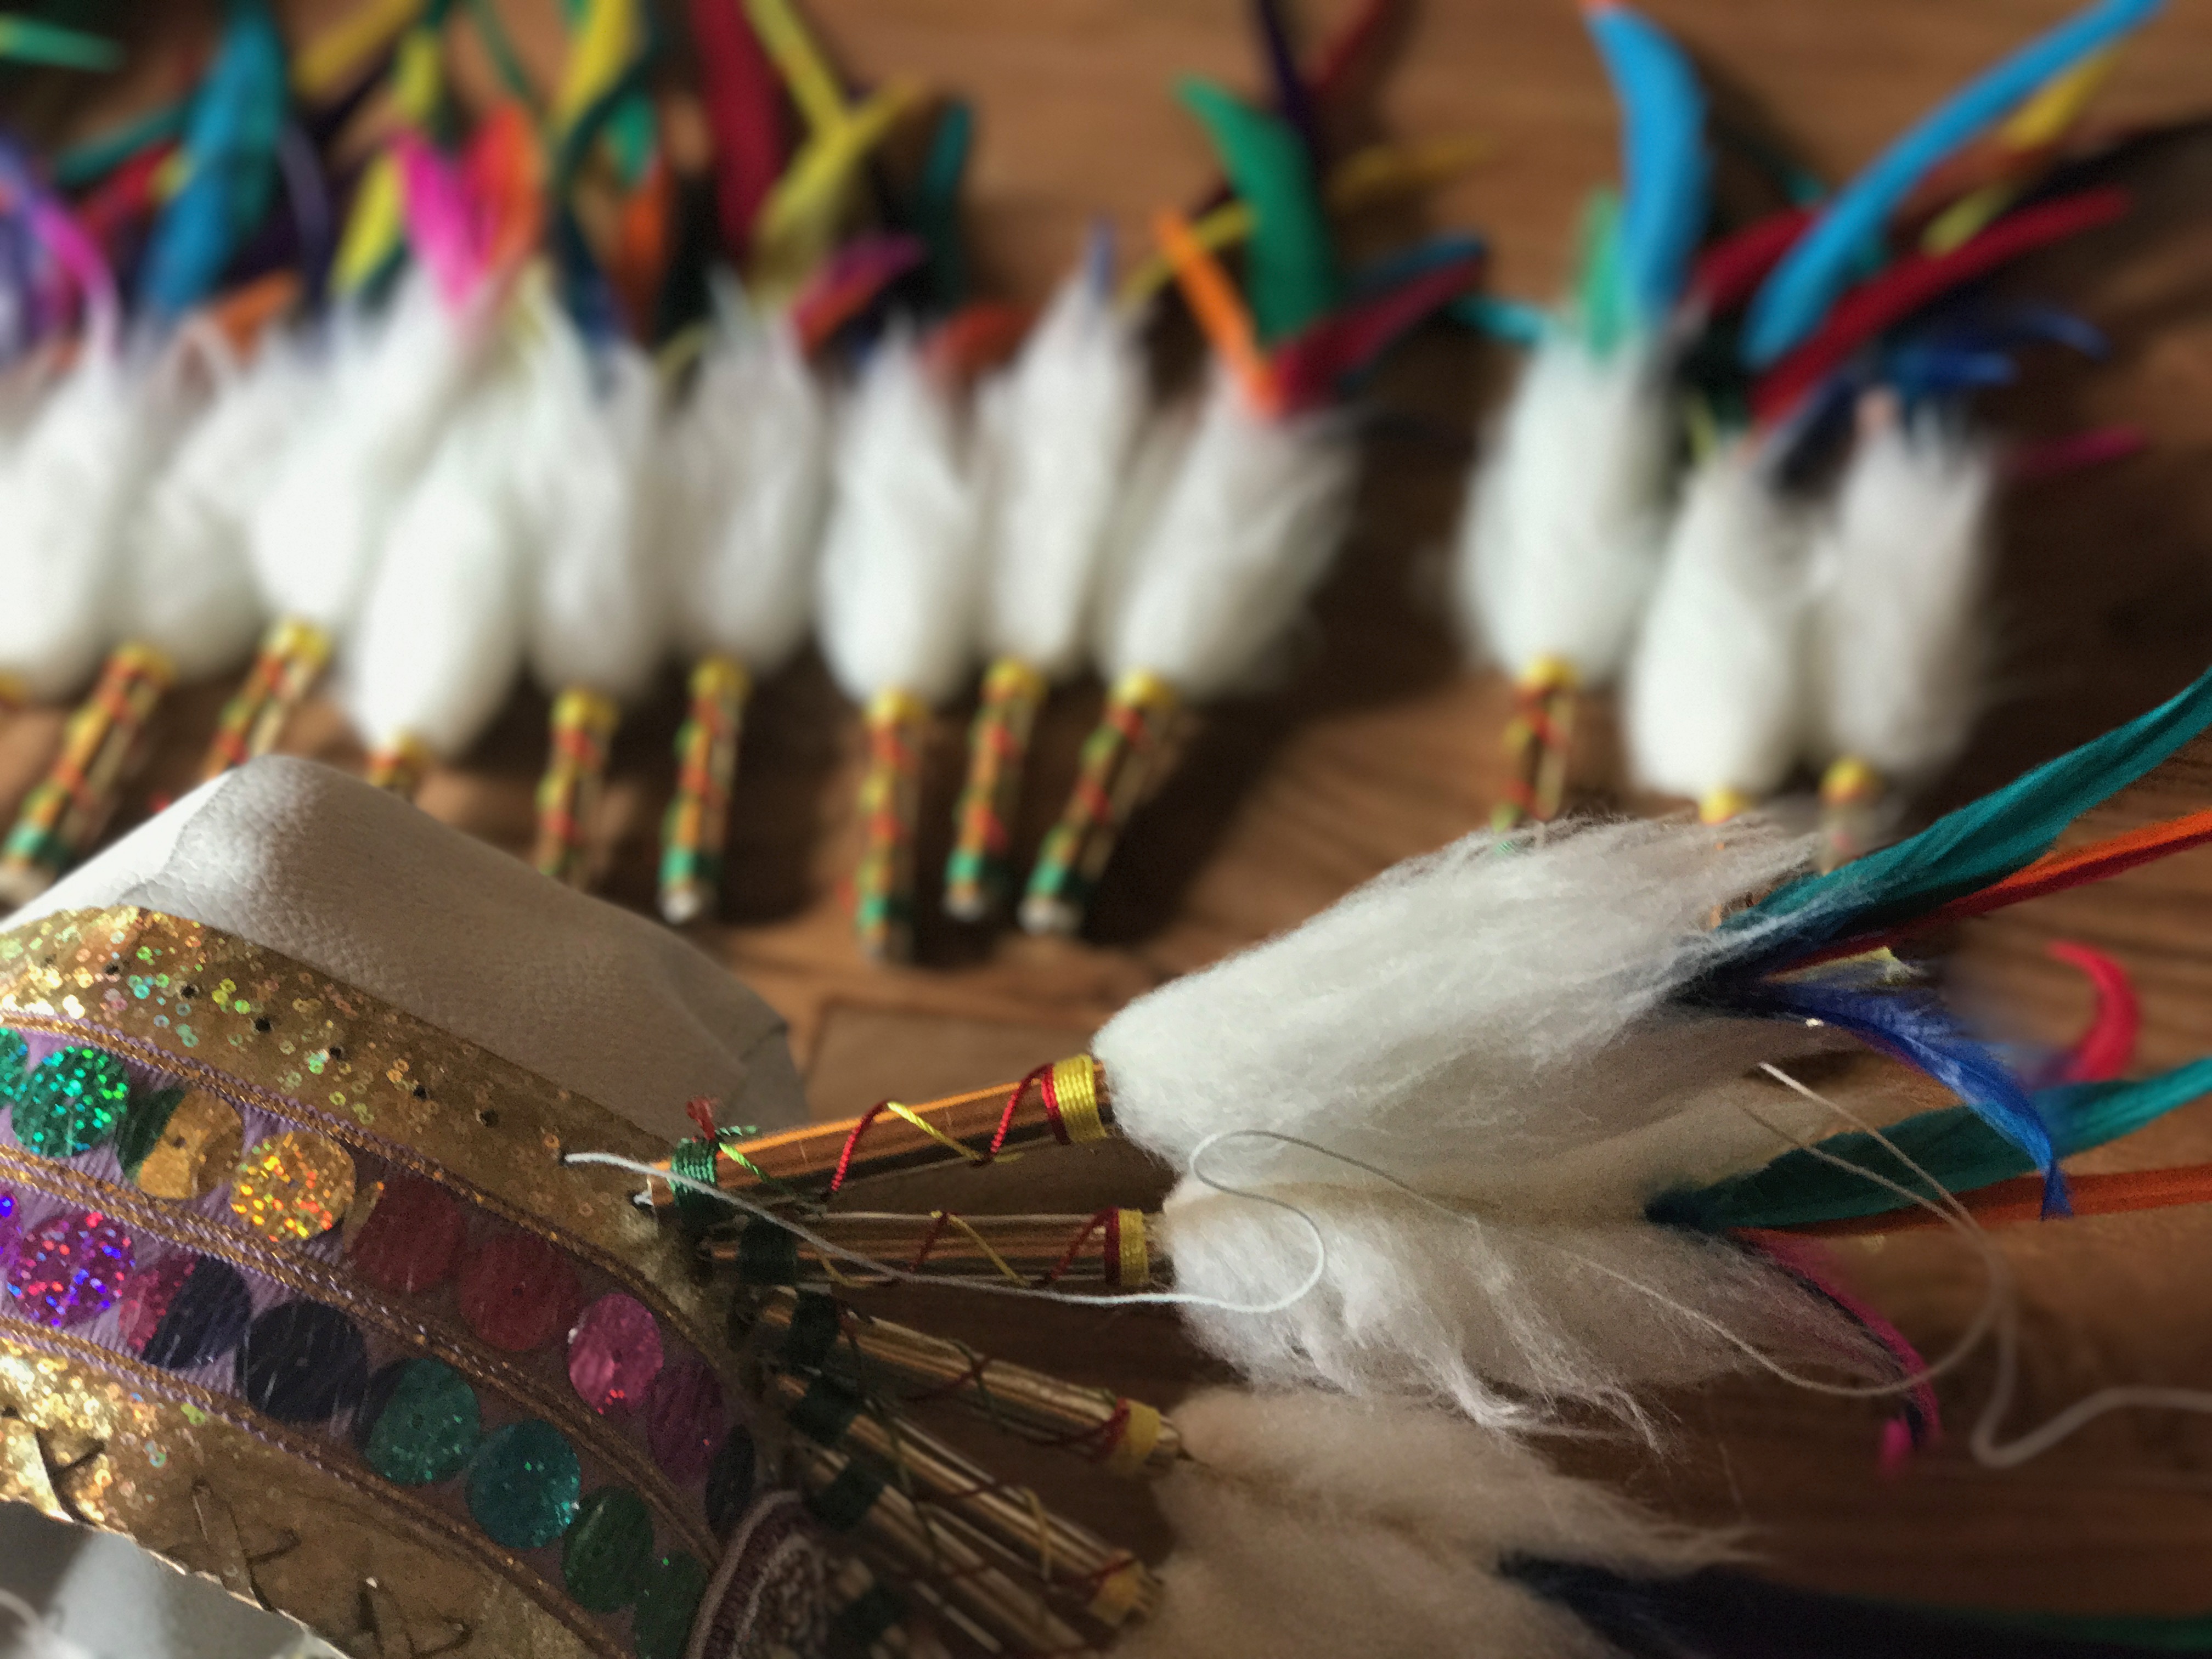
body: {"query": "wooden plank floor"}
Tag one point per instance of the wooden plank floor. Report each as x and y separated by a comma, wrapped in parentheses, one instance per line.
(1382, 744)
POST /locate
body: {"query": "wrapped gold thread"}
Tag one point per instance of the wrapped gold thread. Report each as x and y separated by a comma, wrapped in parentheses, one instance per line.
(1850, 793)
(1539, 742)
(1108, 1583)
(697, 829)
(1720, 806)
(1124, 1437)
(1116, 769)
(980, 871)
(582, 730)
(102, 746)
(848, 1497)
(293, 655)
(891, 806)
(401, 766)
(1111, 1249)
(1065, 1102)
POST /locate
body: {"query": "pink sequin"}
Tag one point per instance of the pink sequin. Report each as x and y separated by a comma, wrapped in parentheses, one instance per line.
(684, 1419)
(145, 1303)
(614, 1354)
(71, 1268)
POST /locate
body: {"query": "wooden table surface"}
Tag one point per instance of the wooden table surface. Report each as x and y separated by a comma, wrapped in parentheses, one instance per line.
(1383, 745)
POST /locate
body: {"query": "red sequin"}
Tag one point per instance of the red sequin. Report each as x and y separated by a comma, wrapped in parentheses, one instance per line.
(412, 1239)
(518, 1292)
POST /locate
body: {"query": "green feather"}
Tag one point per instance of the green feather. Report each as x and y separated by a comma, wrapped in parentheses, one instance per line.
(1291, 271)
(29, 40)
(1958, 1148)
(1601, 308)
(937, 203)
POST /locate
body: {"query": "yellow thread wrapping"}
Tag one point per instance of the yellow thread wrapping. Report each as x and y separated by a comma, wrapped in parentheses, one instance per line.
(1140, 1432)
(883, 885)
(1851, 790)
(1719, 805)
(1121, 1593)
(582, 731)
(697, 824)
(805, 71)
(1075, 1094)
(322, 67)
(1539, 744)
(1135, 1264)
(293, 655)
(799, 222)
(979, 869)
(401, 766)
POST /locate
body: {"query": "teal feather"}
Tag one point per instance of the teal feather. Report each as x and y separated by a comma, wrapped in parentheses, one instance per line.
(1603, 309)
(937, 203)
(1292, 278)
(1956, 1147)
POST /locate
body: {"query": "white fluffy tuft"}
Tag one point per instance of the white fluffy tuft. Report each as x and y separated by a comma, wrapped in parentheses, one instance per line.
(1312, 1526)
(1560, 539)
(745, 466)
(1061, 420)
(1900, 570)
(1463, 1014)
(68, 492)
(440, 643)
(188, 586)
(1715, 691)
(1244, 533)
(902, 568)
(597, 614)
(1504, 1318)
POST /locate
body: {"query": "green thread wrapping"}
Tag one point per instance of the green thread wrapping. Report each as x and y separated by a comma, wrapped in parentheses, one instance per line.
(845, 1502)
(862, 1622)
(767, 1254)
(825, 1412)
(816, 1324)
(694, 1160)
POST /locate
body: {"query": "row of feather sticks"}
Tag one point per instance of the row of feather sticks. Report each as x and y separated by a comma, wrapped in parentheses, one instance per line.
(1739, 468)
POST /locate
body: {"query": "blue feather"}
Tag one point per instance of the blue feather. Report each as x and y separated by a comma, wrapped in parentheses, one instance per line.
(1792, 300)
(1969, 849)
(1664, 166)
(1954, 1145)
(230, 147)
(1379, 277)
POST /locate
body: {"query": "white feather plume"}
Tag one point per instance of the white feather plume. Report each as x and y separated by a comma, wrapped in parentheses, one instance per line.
(439, 642)
(1715, 691)
(1244, 534)
(1311, 1526)
(902, 565)
(1466, 1014)
(67, 491)
(188, 586)
(745, 475)
(597, 615)
(1062, 419)
(389, 383)
(1560, 539)
(1899, 566)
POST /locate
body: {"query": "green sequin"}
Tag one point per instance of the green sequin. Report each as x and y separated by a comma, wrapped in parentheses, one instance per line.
(523, 1485)
(143, 1125)
(661, 1626)
(71, 1102)
(608, 1551)
(14, 1051)
(429, 1428)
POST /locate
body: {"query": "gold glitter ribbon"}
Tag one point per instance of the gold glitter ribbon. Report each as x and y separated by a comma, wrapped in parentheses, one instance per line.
(979, 871)
(697, 827)
(890, 797)
(103, 744)
(1539, 740)
(582, 731)
(293, 655)
(1850, 790)
(1117, 764)
(401, 766)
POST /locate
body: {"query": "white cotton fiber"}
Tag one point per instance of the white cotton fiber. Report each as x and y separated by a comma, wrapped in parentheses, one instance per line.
(745, 477)
(596, 612)
(1244, 533)
(1062, 419)
(188, 587)
(439, 642)
(1465, 1013)
(67, 491)
(387, 384)
(1899, 567)
(1715, 699)
(1506, 1318)
(1560, 539)
(902, 566)
(1311, 1526)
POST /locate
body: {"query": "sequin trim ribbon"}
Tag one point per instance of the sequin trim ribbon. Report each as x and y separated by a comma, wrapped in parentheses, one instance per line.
(693, 835)
(979, 873)
(401, 766)
(103, 745)
(1118, 761)
(582, 731)
(293, 655)
(1539, 742)
(890, 805)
